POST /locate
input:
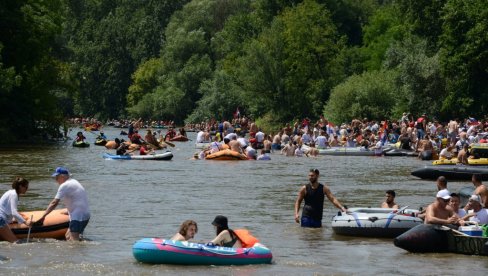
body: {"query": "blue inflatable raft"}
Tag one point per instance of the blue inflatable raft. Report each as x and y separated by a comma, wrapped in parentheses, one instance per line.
(160, 251)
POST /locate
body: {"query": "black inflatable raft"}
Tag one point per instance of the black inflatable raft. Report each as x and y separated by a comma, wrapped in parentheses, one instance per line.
(428, 238)
(451, 172)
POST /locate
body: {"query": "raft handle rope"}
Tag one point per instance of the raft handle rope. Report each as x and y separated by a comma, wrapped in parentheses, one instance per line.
(206, 248)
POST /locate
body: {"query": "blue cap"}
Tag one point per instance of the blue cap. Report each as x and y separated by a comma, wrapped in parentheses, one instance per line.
(60, 170)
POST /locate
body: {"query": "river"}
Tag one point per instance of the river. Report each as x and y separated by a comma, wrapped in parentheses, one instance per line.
(130, 200)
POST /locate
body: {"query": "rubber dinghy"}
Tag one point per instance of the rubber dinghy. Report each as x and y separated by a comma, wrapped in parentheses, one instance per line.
(456, 172)
(160, 251)
(55, 225)
(429, 238)
(344, 151)
(161, 156)
(375, 222)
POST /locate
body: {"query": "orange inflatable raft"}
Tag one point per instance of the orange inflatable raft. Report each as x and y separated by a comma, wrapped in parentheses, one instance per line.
(226, 154)
(55, 225)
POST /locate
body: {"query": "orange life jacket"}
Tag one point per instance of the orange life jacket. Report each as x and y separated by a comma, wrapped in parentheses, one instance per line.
(247, 240)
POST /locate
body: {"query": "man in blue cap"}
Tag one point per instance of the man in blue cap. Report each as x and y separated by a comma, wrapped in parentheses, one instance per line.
(76, 201)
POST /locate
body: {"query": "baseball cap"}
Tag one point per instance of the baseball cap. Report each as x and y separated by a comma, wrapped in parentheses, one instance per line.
(444, 194)
(60, 170)
(476, 198)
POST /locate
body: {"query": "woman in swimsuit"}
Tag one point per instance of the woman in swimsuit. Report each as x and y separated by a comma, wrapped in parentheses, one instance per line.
(225, 236)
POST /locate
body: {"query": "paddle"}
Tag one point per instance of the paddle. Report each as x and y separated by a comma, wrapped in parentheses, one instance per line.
(30, 227)
(443, 227)
(399, 210)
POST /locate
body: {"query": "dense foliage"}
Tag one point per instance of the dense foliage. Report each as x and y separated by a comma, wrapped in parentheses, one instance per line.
(276, 60)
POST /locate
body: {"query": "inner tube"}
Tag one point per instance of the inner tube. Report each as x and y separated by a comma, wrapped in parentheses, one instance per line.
(426, 155)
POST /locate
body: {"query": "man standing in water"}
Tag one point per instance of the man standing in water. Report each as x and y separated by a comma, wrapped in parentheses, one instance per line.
(313, 193)
(480, 189)
(75, 199)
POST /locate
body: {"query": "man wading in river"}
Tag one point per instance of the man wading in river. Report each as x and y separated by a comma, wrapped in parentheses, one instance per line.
(313, 193)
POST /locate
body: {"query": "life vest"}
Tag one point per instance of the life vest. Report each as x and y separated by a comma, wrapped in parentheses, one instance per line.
(247, 240)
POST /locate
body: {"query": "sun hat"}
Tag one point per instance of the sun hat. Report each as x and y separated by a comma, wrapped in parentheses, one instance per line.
(220, 221)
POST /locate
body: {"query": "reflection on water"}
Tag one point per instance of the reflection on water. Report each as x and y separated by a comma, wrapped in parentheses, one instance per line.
(134, 199)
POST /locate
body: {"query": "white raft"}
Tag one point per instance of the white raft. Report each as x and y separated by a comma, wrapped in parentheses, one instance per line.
(375, 222)
(344, 151)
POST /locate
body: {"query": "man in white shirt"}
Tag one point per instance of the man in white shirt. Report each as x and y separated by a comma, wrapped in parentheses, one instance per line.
(479, 214)
(321, 140)
(76, 201)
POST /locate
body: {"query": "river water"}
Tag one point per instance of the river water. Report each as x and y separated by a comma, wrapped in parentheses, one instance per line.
(136, 199)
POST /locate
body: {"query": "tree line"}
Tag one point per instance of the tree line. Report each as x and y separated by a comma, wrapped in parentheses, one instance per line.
(274, 59)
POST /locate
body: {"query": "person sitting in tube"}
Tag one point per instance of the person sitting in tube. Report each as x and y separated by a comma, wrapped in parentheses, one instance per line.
(187, 231)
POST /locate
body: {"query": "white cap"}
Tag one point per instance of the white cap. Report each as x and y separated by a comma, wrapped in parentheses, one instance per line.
(476, 198)
(444, 194)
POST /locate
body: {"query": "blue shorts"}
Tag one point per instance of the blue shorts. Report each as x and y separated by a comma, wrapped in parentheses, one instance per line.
(2, 222)
(77, 226)
(309, 222)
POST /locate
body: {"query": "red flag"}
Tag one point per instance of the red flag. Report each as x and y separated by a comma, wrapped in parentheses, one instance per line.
(237, 113)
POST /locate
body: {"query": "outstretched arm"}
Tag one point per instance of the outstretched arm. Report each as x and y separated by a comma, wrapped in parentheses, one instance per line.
(50, 208)
(333, 199)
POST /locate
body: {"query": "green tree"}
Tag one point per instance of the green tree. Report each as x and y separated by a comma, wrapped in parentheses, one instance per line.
(369, 95)
(464, 57)
(30, 71)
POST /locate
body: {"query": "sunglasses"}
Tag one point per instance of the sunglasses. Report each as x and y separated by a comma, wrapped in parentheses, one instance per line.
(446, 200)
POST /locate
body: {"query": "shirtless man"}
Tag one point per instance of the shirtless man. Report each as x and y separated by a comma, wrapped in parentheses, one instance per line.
(463, 155)
(424, 145)
(390, 200)
(480, 189)
(289, 149)
(440, 212)
(235, 145)
(277, 141)
(452, 131)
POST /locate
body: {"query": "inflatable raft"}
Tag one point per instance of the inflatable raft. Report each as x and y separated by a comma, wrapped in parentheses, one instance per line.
(451, 172)
(343, 151)
(429, 238)
(55, 225)
(454, 161)
(400, 152)
(375, 222)
(80, 144)
(179, 138)
(160, 251)
(161, 156)
(226, 154)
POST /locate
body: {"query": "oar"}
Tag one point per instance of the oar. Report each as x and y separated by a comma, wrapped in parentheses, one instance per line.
(454, 231)
(30, 227)
(169, 144)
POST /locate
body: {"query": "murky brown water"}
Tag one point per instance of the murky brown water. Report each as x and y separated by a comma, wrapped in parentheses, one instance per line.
(134, 199)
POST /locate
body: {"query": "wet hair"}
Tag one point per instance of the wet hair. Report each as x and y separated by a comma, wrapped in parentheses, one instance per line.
(477, 177)
(315, 171)
(391, 192)
(185, 225)
(455, 195)
(19, 182)
(442, 179)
